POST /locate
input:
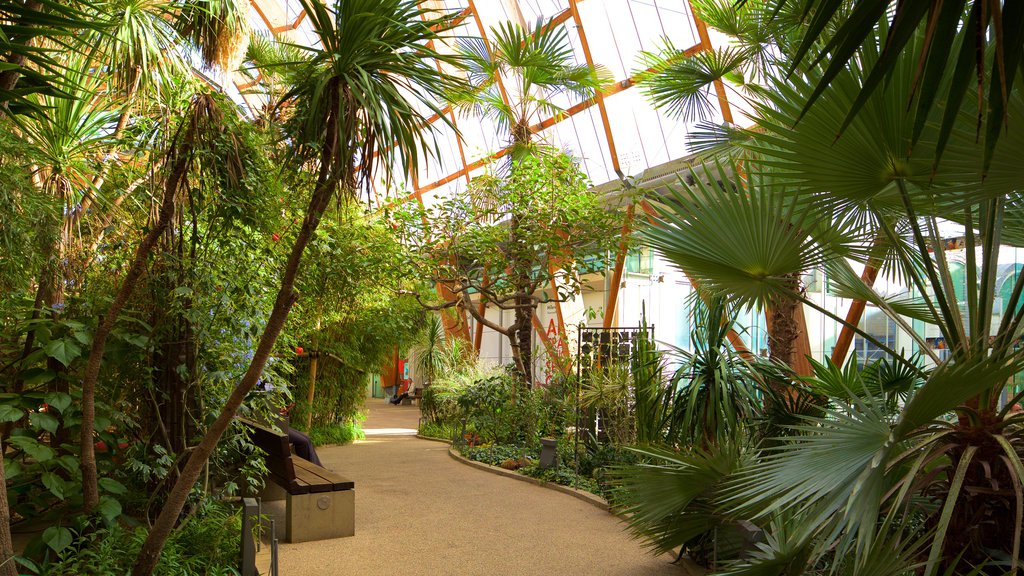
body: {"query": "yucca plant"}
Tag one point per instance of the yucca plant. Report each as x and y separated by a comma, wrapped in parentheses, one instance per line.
(354, 112)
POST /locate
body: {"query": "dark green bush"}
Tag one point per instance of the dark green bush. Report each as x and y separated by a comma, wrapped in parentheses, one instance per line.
(563, 475)
(496, 454)
(207, 544)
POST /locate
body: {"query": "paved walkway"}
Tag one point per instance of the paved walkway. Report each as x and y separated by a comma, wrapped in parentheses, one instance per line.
(419, 512)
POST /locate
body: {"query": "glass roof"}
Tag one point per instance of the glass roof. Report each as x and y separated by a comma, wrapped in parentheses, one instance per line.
(616, 134)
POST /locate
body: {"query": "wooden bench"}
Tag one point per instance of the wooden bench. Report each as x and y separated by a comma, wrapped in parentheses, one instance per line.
(320, 504)
(414, 398)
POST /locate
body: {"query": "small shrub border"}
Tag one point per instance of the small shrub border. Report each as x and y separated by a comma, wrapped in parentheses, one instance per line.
(499, 454)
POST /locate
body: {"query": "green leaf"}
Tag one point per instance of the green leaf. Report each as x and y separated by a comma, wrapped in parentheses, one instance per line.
(137, 339)
(57, 538)
(55, 484)
(34, 448)
(109, 507)
(45, 421)
(12, 468)
(58, 400)
(36, 376)
(64, 351)
(9, 413)
(32, 566)
(69, 463)
(112, 486)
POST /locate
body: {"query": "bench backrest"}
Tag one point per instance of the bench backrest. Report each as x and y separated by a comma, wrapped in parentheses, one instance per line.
(277, 447)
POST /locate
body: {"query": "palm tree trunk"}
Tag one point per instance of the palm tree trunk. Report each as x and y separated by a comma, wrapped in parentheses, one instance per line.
(9, 78)
(327, 180)
(182, 159)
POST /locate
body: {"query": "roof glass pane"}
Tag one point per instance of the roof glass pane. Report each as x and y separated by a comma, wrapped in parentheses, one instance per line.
(614, 32)
(601, 39)
(545, 9)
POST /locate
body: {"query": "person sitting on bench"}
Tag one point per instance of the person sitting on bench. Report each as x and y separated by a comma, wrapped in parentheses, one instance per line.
(301, 442)
(402, 393)
(303, 446)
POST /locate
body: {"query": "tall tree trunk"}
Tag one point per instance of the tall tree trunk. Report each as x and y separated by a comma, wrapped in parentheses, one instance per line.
(784, 328)
(523, 339)
(8, 567)
(9, 78)
(179, 163)
(327, 180)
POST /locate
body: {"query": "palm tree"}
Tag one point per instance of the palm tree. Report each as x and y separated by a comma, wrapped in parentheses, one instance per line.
(351, 114)
(429, 353)
(863, 482)
(972, 26)
(514, 76)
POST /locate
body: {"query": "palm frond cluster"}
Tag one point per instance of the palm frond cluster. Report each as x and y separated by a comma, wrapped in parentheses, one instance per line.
(866, 142)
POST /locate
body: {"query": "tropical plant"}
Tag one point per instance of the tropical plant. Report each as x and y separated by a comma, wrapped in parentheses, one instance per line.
(932, 483)
(350, 109)
(715, 391)
(951, 39)
(514, 77)
(429, 359)
(502, 241)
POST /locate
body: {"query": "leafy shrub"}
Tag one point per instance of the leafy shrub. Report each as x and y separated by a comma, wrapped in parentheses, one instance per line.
(440, 402)
(438, 430)
(494, 454)
(208, 544)
(336, 434)
(564, 476)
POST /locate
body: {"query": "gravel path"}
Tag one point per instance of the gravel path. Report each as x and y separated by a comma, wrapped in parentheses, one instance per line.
(419, 512)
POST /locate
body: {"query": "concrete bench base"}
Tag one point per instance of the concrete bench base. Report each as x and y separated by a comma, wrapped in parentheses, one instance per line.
(320, 516)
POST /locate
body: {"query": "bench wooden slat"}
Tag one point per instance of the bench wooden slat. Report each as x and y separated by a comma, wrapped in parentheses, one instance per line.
(318, 475)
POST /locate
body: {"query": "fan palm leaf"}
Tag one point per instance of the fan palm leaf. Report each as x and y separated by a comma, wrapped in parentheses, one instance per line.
(733, 240)
(682, 85)
(948, 54)
(673, 502)
(515, 74)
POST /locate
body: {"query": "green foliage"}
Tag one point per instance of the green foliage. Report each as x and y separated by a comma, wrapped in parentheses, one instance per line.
(495, 454)
(458, 372)
(489, 410)
(502, 241)
(338, 434)
(207, 544)
(354, 316)
(564, 476)
(898, 460)
(439, 430)
(28, 221)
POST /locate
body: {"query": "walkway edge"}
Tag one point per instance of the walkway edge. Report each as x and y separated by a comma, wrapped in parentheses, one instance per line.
(587, 497)
(432, 439)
